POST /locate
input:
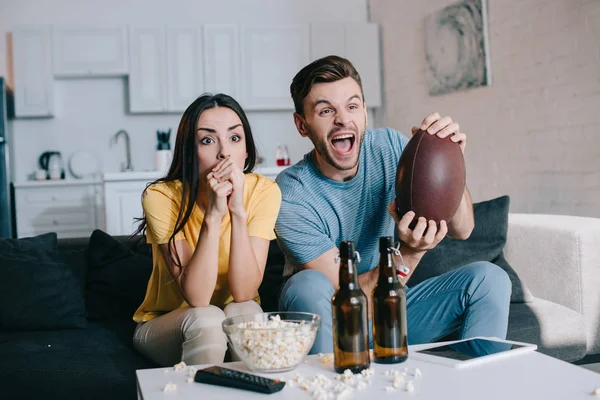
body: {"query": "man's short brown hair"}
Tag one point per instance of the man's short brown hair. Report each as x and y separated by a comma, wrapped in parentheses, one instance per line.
(326, 69)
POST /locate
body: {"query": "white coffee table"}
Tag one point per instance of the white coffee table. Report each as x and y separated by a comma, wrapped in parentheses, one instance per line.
(529, 376)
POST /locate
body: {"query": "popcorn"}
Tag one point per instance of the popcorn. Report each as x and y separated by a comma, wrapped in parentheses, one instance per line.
(417, 372)
(191, 371)
(180, 366)
(323, 388)
(327, 359)
(189, 379)
(596, 392)
(170, 387)
(397, 381)
(271, 345)
(410, 387)
(390, 389)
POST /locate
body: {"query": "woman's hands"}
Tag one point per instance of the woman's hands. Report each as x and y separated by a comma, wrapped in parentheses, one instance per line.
(226, 189)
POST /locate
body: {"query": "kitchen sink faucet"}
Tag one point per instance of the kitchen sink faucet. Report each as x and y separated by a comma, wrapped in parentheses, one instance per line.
(113, 140)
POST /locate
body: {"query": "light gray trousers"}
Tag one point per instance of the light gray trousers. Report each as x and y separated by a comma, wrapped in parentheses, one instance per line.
(190, 334)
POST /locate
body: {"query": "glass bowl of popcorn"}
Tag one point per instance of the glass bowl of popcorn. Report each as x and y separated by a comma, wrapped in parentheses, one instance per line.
(273, 341)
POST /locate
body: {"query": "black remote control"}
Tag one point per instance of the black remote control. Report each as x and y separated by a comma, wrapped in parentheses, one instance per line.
(221, 376)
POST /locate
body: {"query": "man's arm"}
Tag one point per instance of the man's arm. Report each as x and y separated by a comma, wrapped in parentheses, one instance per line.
(463, 222)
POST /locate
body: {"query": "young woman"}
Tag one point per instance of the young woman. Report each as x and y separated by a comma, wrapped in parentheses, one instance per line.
(210, 221)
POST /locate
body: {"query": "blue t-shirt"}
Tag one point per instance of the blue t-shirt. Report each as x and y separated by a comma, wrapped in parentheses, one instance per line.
(317, 213)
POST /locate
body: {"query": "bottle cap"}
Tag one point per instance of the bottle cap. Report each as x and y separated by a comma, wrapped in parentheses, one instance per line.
(347, 249)
(385, 243)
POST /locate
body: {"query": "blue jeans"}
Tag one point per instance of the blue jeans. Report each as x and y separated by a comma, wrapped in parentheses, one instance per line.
(472, 301)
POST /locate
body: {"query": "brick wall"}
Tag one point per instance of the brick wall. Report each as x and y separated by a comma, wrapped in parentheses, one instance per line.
(535, 133)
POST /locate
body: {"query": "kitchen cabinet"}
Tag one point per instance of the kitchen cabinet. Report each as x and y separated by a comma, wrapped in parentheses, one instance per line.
(123, 199)
(184, 66)
(271, 56)
(148, 70)
(221, 60)
(359, 43)
(84, 51)
(69, 208)
(34, 85)
(166, 68)
(169, 66)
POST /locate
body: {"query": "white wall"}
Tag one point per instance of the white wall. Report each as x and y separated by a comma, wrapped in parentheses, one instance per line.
(535, 133)
(90, 111)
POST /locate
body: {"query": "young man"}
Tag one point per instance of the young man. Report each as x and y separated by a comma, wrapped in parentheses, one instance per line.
(344, 189)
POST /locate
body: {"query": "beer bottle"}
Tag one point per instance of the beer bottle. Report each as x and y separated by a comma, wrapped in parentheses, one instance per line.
(349, 309)
(390, 335)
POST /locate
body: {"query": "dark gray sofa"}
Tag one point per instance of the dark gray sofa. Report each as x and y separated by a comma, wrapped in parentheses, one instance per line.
(97, 362)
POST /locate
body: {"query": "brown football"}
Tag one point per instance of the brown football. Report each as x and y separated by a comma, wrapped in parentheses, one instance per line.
(430, 178)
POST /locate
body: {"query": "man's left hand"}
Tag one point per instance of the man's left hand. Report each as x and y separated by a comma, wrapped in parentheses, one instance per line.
(434, 124)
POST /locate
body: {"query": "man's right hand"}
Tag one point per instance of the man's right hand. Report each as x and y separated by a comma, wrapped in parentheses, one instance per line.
(418, 239)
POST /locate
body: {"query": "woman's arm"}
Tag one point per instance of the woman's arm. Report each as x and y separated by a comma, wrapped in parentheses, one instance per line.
(197, 275)
(247, 260)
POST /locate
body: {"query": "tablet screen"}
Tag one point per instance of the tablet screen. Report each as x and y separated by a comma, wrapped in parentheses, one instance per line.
(463, 350)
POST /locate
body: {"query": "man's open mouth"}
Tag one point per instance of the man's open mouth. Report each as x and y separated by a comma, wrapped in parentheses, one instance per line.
(343, 143)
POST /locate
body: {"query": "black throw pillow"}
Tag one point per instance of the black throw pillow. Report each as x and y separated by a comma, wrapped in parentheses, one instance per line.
(38, 290)
(486, 243)
(117, 278)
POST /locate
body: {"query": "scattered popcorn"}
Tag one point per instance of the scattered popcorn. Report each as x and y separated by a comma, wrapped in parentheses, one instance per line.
(271, 345)
(191, 371)
(596, 392)
(189, 379)
(322, 388)
(418, 372)
(180, 366)
(410, 387)
(170, 387)
(390, 389)
(397, 381)
(327, 359)
(368, 372)
(320, 355)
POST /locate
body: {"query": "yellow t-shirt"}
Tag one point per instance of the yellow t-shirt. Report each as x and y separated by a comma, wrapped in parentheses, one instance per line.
(262, 199)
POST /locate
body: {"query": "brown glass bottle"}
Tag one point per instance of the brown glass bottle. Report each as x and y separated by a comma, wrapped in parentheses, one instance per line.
(349, 308)
(390, 335)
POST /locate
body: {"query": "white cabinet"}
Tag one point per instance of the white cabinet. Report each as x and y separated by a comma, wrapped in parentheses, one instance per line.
(123, 204)
(359, 43)
(184, 66)
(147, 76)
(271, 56)
(34, 87)
(166, 68)
(70, 210)
(221, 60)
(89, 51)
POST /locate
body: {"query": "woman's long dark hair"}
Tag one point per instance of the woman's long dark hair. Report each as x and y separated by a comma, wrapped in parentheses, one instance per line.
(184, 166)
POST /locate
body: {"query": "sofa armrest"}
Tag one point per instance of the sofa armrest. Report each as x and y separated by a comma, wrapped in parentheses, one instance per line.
(558, 258)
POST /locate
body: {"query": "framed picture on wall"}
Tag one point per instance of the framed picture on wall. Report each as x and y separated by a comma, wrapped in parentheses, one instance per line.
(457, 47)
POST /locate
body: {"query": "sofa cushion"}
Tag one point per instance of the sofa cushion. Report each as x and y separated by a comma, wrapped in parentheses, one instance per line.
(38, 289)
(486, 243)
(117, 278)
(92, 363)
(557, 330)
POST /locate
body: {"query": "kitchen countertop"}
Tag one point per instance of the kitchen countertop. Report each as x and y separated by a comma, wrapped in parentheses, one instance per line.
(56, 182)
(148, 176)
(132, 176)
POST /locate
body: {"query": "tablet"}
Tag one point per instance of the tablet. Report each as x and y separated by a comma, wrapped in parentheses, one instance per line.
(459, 354)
